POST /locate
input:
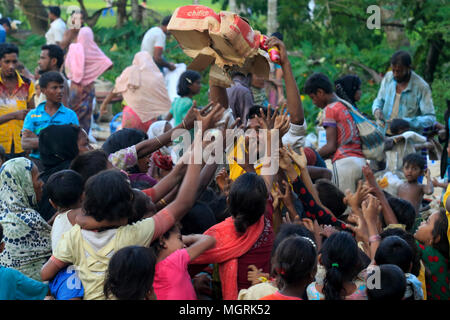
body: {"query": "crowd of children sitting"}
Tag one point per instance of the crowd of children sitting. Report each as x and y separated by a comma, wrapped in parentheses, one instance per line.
(201, 230)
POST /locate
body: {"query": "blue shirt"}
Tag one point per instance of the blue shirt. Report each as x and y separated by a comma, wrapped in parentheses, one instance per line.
(2, 34)
(38, 119)
(14, 285)
(416, 104)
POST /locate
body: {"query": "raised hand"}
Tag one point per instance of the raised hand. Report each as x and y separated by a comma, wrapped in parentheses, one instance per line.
(223, 181)
(298, 158)
(209, 118)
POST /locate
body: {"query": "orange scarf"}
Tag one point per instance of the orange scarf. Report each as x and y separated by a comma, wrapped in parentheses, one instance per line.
(230, 245)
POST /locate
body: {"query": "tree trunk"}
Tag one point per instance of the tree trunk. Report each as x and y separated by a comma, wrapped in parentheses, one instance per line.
(232, 6)
(36, 15)
(395, 36)
(121, 12)
(434, 51)
(9, 6)
(135, 12)
(272, 22)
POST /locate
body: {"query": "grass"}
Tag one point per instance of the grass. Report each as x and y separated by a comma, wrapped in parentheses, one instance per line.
(164, 7)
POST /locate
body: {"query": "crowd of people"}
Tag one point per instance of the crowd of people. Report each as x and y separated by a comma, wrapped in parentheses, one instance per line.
(139, 219)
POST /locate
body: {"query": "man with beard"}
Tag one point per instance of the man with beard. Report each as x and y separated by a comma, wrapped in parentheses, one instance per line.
(51, 59)
(404, 95)
(16, 99)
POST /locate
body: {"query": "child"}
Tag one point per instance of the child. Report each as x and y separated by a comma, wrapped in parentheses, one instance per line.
(295, 264)
(90, 251)
(395, 250)
(49, 112)
(434, 248)
(64, 189)
(130, 274)
(189, 85)
(14, 285)
(172, 280)
(411, 190)
(392, 284)
(264, 284)
(339, 255)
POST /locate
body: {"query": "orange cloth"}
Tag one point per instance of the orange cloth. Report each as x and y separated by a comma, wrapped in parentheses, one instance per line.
(230, 245)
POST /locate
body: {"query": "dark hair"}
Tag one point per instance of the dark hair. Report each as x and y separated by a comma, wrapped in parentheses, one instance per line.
(331, 196)
(157, 246)
(56, 11)
(339, 257)
(247, 200)
(287, 230)
(409, 238)
(187, 78)
(397, 125)
(142, 204)
(255, 110)
(392, 284)
(278, 35)
(394, 250)
(7, 48)
(122, 139)
(5, 21)
(2, 153)
(294, 260)
(165, 21)
(318, 81)
(415, 159)
(199, 219)
(90, 163)
(56, 52)
(401, 58)
(64, 188)
(440, 229)
(347, 86)
(130, 273)
(50, 76)
(1, 232)
(112, 205)
(404, 211)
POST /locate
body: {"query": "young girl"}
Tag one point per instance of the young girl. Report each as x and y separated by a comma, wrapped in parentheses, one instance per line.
(339, 255)
(130, 274)
(174, 252)
(189, 85)
(295, 264)
(434, 246)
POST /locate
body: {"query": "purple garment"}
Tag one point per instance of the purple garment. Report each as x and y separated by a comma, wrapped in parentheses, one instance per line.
(240, 98)
(135, 177)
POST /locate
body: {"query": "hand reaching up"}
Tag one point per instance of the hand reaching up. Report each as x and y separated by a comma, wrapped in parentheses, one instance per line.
(223, 181)
(209, 118)
(298, 158)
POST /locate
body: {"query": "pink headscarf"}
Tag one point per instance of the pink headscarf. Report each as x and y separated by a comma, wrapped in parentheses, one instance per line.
(143, 87)
(85, 61)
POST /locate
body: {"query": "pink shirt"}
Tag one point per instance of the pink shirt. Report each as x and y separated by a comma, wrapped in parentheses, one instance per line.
(172, 280)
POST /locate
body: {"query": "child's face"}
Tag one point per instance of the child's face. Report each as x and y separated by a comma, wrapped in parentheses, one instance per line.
(54, 91)
(412, 172)
(175, 242)
(424, 233)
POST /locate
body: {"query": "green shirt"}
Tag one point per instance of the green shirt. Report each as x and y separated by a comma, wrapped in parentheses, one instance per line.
(180, 106)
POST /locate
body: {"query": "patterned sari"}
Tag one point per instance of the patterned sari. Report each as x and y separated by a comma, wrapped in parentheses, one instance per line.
(26, 233)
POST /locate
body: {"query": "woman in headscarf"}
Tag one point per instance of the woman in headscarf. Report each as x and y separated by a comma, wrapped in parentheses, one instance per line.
(58, 146)
(143, 89)
(85, 62)
(26, 233)
(349, 88)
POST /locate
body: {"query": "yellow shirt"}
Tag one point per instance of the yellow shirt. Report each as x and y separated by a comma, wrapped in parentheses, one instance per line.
(421, 278)
(91, 260)
(18, 100)
(447, 193)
